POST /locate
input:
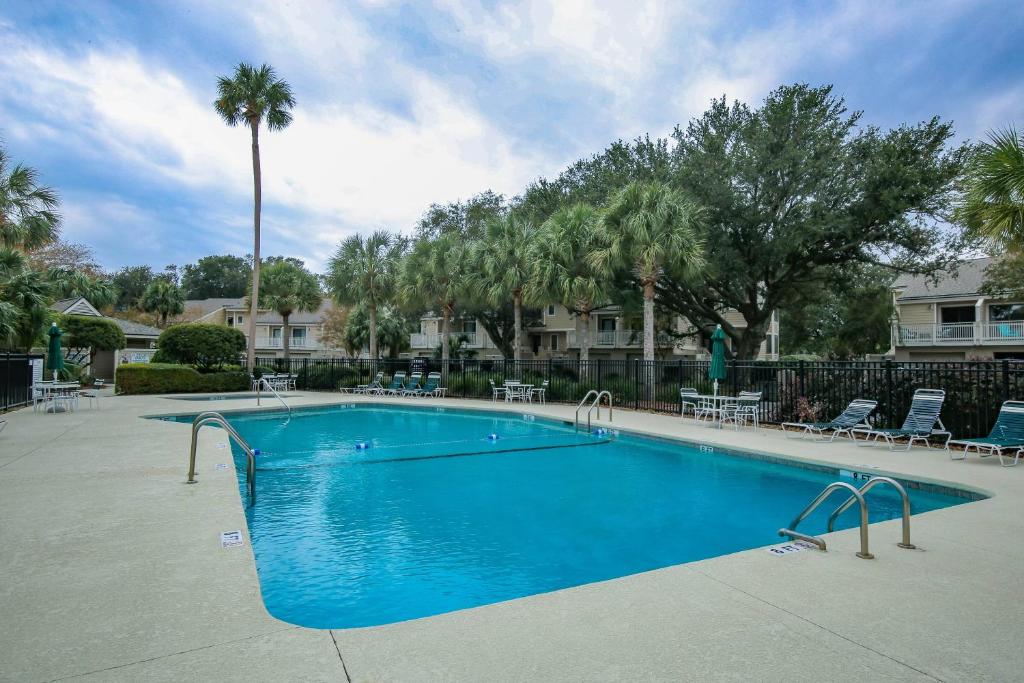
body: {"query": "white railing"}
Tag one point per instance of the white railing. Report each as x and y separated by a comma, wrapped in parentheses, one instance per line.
(303, 343)
(617, 339)
(961, 334)
(474, 340)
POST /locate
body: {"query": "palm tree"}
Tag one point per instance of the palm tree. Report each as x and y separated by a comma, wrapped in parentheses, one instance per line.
(648, 228)
(504, 266)
(435, 273)
(68, 283)
(251, 97)
(28, 211)
(164, 297)
(24, 300)
(288, 288)
(564, 271)
(365, 271)
(994, 205)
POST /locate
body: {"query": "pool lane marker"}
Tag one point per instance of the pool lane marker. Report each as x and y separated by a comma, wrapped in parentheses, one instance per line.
(230, 539)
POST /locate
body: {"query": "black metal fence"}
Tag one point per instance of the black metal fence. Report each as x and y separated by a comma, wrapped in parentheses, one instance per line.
(974, 389)
(15, 379)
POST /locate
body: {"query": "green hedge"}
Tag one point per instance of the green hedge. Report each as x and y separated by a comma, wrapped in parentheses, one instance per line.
(167, 378)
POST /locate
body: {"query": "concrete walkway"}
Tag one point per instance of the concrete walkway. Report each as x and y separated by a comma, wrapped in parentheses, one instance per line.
(111, 569)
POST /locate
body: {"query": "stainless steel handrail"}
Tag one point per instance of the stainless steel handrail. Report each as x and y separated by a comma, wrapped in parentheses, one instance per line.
(872, 482)
(263, 381)
(212, 417)
(597, 402)
(813, 505)
(580, 406)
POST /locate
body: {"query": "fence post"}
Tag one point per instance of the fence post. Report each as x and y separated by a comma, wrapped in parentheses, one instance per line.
(636, 384)
(803, 388)
(888, 392)
(1006, 381)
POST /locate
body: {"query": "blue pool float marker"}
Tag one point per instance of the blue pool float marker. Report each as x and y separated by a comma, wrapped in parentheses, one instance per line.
(601, 431)
(255, 452)
(492, 437)
(362, 445)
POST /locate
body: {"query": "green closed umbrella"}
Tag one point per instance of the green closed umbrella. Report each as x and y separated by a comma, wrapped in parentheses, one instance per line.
(716, 371)
(55, 357)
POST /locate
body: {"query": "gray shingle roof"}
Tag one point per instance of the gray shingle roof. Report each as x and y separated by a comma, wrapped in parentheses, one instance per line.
(134, 329)
(207, 306)
(965, 281)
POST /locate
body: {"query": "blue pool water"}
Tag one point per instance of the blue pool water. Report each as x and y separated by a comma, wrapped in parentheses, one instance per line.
(348, 537)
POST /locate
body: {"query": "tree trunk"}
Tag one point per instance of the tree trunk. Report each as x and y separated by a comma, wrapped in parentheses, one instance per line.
(445, 352)
(585, 336)
(649, 320)
(517, 316)
(286, 334)
(747, 344)
(250, 353)
(372, 310)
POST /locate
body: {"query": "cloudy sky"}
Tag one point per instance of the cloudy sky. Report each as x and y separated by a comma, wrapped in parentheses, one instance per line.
(401, 105)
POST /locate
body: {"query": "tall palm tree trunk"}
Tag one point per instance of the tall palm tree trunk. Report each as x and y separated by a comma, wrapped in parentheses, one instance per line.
(585, 336)
(649, 320)
(286, 333)
(445, 351)
(517, 317)
(372, 309)
(250, 353)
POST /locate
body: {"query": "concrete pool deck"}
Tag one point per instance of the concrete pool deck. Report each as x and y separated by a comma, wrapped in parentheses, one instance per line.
(111, 569)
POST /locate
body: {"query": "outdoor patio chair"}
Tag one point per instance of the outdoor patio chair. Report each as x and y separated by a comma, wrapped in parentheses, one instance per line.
(1007, 434)
(91, 395)
(397, 384)
(431, 386)
(746, 407)
(373, 387)
(855, 415)
(498, 392)
(412, 387)
(540, 393)
(919, 425)
(689, 400)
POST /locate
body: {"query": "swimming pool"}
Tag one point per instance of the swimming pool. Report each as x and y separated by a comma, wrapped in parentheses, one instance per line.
(438, 515)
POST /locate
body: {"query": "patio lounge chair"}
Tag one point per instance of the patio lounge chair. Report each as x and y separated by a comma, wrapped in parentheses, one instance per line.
(919, 425)
(371, 388)
(412, 387)
(540, 393)
(397, 384)
(855, 415)
(432, 386)
(1007, 434)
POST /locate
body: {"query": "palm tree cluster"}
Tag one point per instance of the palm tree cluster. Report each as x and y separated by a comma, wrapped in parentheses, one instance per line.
(578, 257)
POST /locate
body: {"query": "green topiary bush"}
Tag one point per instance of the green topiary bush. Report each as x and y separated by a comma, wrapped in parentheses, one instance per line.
(167, 378)
(205, 346)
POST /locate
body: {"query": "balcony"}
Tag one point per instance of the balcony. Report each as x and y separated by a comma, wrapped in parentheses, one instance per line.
(993, 333)
(296, 343)
(474, 340)
(617, 339)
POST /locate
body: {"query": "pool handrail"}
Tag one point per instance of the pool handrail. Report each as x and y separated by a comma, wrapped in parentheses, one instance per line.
(213, 417)
(871, 483)
(263, 381)
(598, 395)
(813, 505)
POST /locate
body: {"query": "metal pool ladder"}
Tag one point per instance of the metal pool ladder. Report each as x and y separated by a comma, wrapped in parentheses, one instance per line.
(212, 417)
(856, 496)
(596, 403)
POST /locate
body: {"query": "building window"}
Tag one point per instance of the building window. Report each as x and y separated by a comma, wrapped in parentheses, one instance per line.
(469, 326)
(551, 309)
(298, 333)
(231, 321)
(1006, 312)
(554, 342)
(957, 314)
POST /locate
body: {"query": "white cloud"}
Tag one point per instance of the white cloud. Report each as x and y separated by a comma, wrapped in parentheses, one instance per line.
(352, 166)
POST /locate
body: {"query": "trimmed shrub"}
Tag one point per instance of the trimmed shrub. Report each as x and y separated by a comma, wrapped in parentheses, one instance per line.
(205, 346)
(167, 378)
